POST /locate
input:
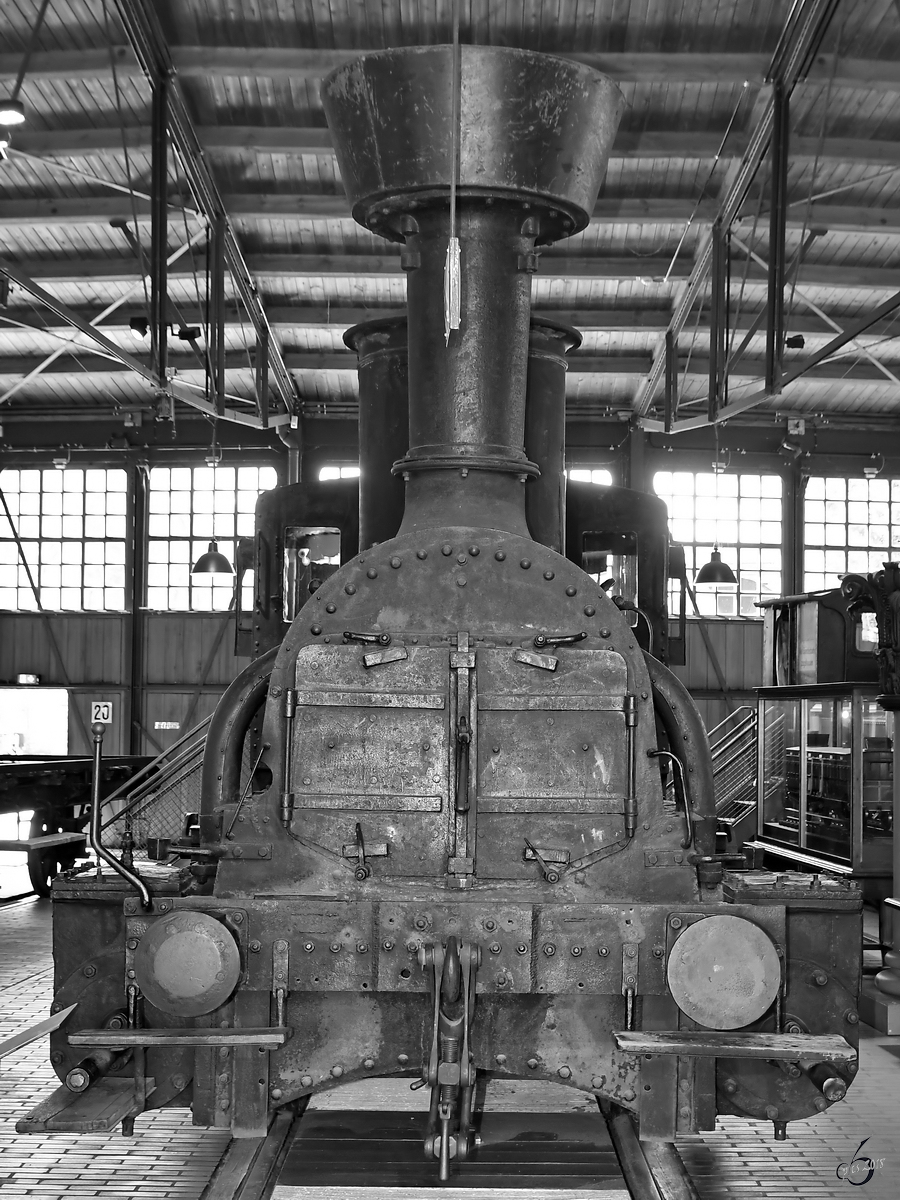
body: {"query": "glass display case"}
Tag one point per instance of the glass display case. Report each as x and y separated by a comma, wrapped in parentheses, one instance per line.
(826, 780)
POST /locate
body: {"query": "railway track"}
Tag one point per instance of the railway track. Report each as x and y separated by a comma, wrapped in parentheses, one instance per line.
(331, 1153)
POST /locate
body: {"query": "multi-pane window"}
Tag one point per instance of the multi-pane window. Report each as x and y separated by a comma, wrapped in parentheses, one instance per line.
(742, 515)
(336, 472)
(188, 508)
(849, 525)
(72, 527)
(586, 475)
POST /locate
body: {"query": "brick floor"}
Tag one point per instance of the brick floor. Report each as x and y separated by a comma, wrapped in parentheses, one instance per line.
(170, 1158)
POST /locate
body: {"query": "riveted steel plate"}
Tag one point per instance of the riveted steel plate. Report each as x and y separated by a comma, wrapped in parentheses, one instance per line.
(504, 932)
(580, 948)
(331, 948)
(187, 963)
(551, 742)
(366, 738)
(724, 972)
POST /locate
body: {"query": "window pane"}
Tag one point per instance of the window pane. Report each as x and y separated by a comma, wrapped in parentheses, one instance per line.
(856, 518)
(188, 508)
(742, 515)
(71, 503)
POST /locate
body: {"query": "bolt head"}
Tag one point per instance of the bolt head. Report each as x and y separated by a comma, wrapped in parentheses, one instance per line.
(337, 1071)
(532, 1064)
(730, 1086)
(89, 972)
(276, 1093)
(820, 978)
(494, 947)
(490, 925)
(657, 952)
(306, 1081)
(521, 948)
(281, 945)
(603, 951)
(309, 947)
(549, 949)
(771, 1112)
(564, 1072)
(335, 947)
(500, 1059)
(576, 951)
(387, 944)
(368, 1063)
(132, 943)
(238, 918)
(851, 1017)
(411, 947)
(402, 1059)
(362, 947)
(676, 922)
(820, 1103)
(421, 922)
(56, 1057)
(255, 947)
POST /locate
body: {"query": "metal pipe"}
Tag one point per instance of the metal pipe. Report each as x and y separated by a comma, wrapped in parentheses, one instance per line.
(777, 225)
(159, 225)
(394, 121)
(683, 724)
(383, 424)
(97, 730)
(545, 429)
(221, 779)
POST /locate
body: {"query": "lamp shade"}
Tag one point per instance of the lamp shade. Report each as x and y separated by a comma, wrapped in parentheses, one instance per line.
(716, 572)
(12, 112)
(212, 563)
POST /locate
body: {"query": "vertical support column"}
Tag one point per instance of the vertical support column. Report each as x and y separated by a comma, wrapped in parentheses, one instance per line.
(217, 312)
(671, 397)
(159, 226)
(718, 326)
(136, 571)
(262, 376)
(637, 466)
(778, 211)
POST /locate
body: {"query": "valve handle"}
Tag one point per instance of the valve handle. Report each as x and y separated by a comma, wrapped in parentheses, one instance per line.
(543, 640)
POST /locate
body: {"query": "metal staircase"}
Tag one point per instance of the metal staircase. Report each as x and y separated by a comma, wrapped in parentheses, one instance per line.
(733, 743)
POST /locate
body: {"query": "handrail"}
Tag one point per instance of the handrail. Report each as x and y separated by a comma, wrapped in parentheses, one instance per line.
(128, 786)
(736, 735)
(731, 715)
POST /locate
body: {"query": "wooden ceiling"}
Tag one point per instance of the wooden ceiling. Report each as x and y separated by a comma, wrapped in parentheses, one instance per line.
(75, 200)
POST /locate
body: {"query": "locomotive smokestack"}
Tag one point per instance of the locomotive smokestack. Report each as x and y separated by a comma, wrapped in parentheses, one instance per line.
(505, 150)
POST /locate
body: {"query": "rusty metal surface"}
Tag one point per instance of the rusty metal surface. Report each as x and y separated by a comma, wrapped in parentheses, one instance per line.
(723, 972)
(529, 124)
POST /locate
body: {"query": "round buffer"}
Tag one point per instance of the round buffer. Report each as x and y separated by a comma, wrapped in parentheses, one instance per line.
(724, 972)
(187, 964)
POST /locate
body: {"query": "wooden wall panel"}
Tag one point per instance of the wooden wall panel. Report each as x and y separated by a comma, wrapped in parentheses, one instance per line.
(180, 647)
(165, 706)
(738, 647)
(92, 647)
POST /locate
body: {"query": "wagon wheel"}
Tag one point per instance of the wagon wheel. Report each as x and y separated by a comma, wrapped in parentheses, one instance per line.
(45, 865)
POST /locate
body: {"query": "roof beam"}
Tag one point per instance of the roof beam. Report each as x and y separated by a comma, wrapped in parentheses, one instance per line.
(553, 266)
(140, 19)
(801, 37)
(579, 364)
(275, 62)
(100, 210)
(297, 140)
(600, 320)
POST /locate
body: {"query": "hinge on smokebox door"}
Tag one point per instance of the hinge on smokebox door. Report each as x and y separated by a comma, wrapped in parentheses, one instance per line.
(462, 660)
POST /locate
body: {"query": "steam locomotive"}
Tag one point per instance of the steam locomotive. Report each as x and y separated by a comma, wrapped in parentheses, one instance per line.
(435, 838)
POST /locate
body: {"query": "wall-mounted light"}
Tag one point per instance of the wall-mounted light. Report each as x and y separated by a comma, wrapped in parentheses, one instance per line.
(139, 326)
(12, 112)
(715, 573)
(795, 342)
(189, 333)
(26, 679)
